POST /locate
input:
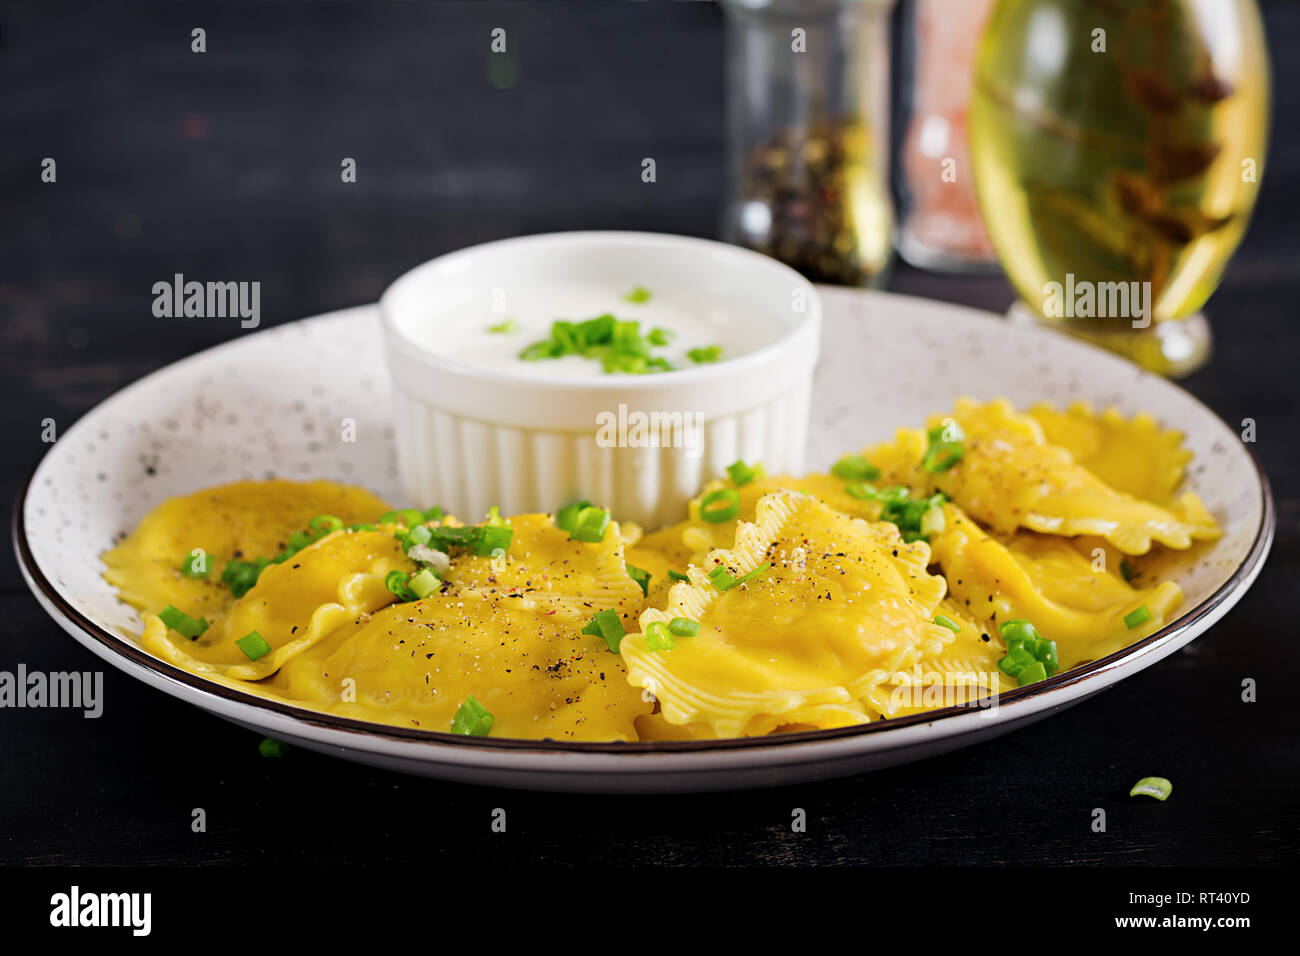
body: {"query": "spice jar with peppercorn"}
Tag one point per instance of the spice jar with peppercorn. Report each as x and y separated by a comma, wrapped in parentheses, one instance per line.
(808, 136)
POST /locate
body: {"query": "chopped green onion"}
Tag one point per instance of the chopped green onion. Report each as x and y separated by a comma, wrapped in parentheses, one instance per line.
(423, 583)
(1136, 617)
(1158, 787)
(396, 582)
(324, 524)
(658, 336)
(638, 295)
(182, 623)
(195, 564)
(640, 577)
(658, 637)
(297, 541)
(362, 526)
(242, 575)
(271, 748)
(945, 449)
(617, 344)
(406, 516)
(947, 622)
(742, 474)
(1030, 657)
(590, 525)
(492, 538)
(705, 354)
(472, 719)
(566, 519)
(730, 505)
(678, 576)
(684, 627)
(608, 625)
(253, 645)
(932, 521)
(855, 468)
(420, 534)
(723, 579)
(504, 328)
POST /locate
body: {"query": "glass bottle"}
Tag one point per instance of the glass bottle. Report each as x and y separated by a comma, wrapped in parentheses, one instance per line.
(808, 135)
(1117, 150)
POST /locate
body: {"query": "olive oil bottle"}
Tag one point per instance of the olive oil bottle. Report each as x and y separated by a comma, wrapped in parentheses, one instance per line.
(1120, 142)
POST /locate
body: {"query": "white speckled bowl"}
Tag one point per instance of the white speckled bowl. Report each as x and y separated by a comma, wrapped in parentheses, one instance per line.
(241, 411)
(470, 438)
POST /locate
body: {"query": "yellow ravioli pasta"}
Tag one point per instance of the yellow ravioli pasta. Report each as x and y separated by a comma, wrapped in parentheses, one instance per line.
(1010, 477)
(844, 604)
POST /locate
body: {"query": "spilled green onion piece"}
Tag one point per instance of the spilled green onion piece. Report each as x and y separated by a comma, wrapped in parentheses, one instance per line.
(724, 580)
(855, 468)
(1157, 787)
(472, 719)
(658, 637)
(269, 747)
(253, 645)
(640, 577)
(947, 622)
(606, 624)
(1137, 616)
(742, 474)
(719, 506)
(182, 623)
(684, 627)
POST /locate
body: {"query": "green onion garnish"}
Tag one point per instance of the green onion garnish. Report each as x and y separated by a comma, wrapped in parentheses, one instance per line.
(271, 748)
(472, 719)
(947, 622)
(705, 354)
(1137, 616)
(608, 625)
(719, 506)
(640, 577)
(617, 344)
(945, 449)
(423, 583)
(724, 580)
(658, 336)
(182, 623)
(658, 638)
(406, 516)
(195, 564)
(590, 525)
(396, 582)
(363, 526)
(253, 645)
(1158, 787)
(242, 575)
(678, 576)
(566, 519)
(504, 328)
(742, 474)
(492, 538)
(324, 524)
(638, 295)
(684, 627)
(855, 468)
(1030, 657)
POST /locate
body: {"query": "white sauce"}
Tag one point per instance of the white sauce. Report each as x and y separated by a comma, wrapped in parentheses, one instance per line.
(464, 336)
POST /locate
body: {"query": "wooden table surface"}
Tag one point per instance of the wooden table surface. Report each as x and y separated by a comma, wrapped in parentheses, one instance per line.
(226, 165)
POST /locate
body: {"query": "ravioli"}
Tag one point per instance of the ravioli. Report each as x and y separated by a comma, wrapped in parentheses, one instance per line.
(1010, 478)
(1044, 579)
(843, 605)
(415, 664)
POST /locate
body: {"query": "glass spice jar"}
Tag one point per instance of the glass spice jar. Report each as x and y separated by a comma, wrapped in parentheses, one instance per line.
(808, 135)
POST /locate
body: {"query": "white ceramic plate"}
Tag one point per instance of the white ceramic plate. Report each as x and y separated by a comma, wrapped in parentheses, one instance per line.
(273, 403)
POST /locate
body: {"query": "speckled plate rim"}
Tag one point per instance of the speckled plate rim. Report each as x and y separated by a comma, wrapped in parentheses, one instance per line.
(511, 755)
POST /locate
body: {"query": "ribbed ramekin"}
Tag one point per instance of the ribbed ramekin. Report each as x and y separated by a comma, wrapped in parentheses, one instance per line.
(469, 438)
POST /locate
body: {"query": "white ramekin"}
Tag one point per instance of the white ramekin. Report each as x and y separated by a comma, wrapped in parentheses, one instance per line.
(469, 438)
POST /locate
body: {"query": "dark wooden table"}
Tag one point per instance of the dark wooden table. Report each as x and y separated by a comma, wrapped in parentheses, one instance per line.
(226, 165)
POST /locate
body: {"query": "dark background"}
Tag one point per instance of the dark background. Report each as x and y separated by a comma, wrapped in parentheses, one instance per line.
(227, 165)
